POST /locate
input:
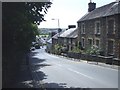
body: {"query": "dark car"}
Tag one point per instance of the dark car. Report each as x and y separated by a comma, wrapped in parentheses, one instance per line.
(32, 48)
(37, 46)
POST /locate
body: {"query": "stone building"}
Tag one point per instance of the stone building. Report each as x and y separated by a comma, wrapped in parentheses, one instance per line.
(68, 38)
(101, 27)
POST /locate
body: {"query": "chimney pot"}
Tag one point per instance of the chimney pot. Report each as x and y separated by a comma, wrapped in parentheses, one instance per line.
(91, 6)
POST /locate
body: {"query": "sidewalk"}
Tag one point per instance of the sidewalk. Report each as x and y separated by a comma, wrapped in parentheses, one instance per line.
(92, 62)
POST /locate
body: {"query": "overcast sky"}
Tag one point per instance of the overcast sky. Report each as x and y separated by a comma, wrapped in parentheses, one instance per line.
(68, 12)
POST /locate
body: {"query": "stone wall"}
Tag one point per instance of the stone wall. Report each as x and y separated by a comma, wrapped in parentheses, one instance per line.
(103, 59)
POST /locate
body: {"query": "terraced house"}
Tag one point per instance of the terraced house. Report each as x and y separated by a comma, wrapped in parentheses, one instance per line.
(68, 38)
(101, 27)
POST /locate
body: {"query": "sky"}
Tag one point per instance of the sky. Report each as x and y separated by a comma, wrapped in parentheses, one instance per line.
(68, 12)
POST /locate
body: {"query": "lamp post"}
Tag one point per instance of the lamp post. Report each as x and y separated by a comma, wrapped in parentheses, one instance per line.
(57, 21)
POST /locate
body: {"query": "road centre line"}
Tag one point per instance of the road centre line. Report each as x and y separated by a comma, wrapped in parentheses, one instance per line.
(80, 73)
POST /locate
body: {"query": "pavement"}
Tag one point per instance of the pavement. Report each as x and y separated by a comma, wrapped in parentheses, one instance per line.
(92, 62)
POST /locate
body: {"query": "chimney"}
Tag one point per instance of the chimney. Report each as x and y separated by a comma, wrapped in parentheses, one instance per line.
(91, 6)
(59, 30)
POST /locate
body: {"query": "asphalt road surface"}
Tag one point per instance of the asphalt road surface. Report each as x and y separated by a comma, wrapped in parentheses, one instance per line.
(50, 71)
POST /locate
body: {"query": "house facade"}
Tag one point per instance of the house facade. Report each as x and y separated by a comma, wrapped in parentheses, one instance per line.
(100, 27)
(68, 38)
(72, 39)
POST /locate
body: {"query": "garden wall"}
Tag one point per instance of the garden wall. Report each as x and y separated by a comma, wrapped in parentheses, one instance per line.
(108, 60)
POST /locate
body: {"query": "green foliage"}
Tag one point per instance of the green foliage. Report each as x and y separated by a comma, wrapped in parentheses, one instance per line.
(19, 29)
(76, 49)
(94, 50)
(57, 49)
(20, 21)
(34, 10)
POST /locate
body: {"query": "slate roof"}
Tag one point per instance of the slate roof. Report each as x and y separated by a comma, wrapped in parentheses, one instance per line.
(58, 34)
(106, 10)
(73, 34)
(49, 41)
(70, 33)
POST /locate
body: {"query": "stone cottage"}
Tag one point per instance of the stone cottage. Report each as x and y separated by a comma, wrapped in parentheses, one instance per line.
(68, 38)
(101, 27)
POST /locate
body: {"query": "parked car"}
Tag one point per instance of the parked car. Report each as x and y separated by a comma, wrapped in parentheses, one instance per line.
(32, 48)
(37, 46)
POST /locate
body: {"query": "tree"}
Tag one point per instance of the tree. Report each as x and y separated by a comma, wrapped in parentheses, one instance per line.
(19, 28)
(19, 21)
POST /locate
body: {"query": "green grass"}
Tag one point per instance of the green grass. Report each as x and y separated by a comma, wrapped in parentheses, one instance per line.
(43, 35)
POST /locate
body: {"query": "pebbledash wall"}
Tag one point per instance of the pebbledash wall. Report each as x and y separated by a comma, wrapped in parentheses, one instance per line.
(101, 27)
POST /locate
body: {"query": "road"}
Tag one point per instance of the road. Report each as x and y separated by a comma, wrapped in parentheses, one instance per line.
(50, 71)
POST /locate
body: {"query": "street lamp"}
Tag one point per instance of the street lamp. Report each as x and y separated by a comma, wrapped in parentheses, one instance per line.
(59, 30)
(58, 22)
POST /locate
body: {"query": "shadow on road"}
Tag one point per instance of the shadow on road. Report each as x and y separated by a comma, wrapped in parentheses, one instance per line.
(38, 75)
(35, 60)
(33, 53)
(55, 85)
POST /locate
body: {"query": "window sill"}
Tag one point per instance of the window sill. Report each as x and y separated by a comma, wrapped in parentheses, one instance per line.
(97, 33)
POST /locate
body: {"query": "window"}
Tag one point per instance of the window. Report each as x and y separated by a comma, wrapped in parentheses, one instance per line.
(83, 42)
(65, 40)
(111, 26)
(69, 41)
(110, 47)
(98, 43)
(97, 28)
(83, 28)
(90, 42)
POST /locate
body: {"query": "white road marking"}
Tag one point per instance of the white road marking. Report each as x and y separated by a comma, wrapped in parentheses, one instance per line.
(80, 73)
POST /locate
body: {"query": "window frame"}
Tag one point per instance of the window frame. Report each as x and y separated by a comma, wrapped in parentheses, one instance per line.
(83, 42)
(97, 29)
(113, 52)
(83, 28)
(112, 19)
(97, 39)
(91, 40)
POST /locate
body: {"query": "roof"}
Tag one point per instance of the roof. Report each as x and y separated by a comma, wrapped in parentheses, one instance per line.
(73, 34)
(106, 10)
(49, 41)
(58, 34)
(70, 33)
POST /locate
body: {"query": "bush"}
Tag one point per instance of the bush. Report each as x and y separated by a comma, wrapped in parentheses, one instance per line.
(57, 49)
(76, 50)
(94, 50)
